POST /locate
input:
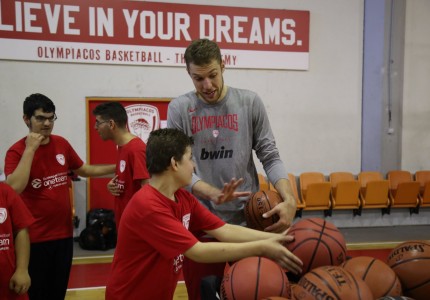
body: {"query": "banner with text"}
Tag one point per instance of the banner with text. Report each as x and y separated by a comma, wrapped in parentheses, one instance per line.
(151, 33)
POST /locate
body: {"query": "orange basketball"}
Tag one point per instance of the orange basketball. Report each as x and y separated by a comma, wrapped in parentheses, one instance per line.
(411, 262)
(380, 278)
(254, 278)
(274, 298)
(258, 204)
(331, 282)
(317, 243)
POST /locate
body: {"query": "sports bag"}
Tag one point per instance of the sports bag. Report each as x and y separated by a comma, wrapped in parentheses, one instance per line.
(100, 233)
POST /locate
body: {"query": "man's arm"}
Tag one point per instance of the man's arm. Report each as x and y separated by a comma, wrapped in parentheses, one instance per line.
(18, 179)
(20, 281)
(285, 210)
(239, 242)
(268, 154)
(206, 191)
(95, 170)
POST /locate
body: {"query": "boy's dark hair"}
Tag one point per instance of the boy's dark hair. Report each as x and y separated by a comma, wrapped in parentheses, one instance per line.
(201, 52)
(163, 144)
(112, 111)
(35, 102)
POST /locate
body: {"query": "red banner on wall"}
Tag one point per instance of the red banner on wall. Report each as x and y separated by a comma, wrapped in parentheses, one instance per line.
(144, 115)
(151, 33)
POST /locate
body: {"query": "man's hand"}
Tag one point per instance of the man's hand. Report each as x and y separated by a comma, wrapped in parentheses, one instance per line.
(229, 193)
(286, 212)
(112, 186)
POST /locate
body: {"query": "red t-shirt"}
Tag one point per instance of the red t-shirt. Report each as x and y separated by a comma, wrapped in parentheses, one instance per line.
(131, 170)
(153, 235)
(14, 216)
(47, 192)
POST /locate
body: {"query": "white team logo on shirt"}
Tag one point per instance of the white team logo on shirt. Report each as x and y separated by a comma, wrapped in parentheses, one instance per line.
(178, 262)
(3, 215)
(60, 158)
(36, 183)
(122, 165)
(186, 220)
(215, 133)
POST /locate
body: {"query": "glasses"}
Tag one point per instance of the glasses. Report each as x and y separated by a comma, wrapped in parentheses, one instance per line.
(98, 123)
(42, 119)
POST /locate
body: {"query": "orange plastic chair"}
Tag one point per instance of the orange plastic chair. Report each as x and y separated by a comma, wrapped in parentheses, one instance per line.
(374, 191)
(423, 177)
(345, 192)
(315, 192)
(264, 183)
(300, 204)
(404, 192)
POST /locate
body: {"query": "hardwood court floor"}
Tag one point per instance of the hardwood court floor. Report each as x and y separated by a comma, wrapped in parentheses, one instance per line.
(99, 293)
(89, 275)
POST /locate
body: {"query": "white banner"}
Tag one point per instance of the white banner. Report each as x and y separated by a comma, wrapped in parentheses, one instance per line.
(147, 33)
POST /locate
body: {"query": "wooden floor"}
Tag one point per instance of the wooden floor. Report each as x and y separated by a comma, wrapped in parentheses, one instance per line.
(99, 293)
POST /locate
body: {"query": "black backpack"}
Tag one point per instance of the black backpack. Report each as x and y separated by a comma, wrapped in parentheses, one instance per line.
(100, 233)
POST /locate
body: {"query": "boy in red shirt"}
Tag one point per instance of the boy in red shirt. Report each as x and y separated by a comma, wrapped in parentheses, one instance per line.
(156, 230)
(37, 168)
(130, 173)
(14, 245)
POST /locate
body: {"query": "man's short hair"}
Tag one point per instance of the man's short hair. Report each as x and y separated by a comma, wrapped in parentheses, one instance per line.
(112, 111)
(162, 145)
(35, 102)
(202, 52)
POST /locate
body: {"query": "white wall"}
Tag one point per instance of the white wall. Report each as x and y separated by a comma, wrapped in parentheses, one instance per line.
(315, 114)
(416, 89)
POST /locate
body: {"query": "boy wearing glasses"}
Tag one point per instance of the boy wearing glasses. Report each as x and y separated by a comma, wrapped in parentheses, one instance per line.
(36, 167)
(131, 173)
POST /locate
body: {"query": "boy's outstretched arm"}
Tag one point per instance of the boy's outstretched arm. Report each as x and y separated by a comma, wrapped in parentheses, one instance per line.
(237, 242)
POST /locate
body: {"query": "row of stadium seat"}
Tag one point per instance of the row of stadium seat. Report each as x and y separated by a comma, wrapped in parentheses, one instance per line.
(369, 189)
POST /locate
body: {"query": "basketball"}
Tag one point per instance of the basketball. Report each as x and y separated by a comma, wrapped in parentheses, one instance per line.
(258, 204)
(254, 278)
(274, 298)
(380, 278)
(411, 262)
(331, 282)
(317, 243)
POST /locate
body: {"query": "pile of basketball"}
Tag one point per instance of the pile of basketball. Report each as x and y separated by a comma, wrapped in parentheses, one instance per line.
(327, 273)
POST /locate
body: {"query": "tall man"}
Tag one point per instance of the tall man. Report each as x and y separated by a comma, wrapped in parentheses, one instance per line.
(227, 124)
(36, 167)
(131, 172)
